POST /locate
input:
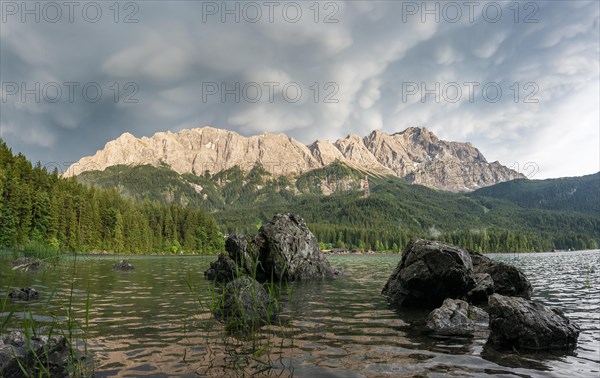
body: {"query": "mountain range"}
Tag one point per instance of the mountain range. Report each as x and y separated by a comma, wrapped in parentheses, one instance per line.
(416, 155)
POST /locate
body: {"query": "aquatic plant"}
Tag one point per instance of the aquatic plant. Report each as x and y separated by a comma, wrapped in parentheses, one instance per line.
(251, 341)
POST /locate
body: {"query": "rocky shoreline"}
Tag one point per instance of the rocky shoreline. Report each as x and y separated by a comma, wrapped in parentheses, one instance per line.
(450, 280)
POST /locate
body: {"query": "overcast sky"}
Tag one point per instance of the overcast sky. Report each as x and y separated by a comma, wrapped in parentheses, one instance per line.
(311, 71)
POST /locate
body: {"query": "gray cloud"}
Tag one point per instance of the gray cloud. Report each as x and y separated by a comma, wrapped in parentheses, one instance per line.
(368, 62)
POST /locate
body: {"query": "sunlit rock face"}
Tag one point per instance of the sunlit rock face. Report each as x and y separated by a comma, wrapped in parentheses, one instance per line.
(414, 154)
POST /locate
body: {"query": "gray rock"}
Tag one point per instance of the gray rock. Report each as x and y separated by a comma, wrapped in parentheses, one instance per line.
(28, 264)
(428, 273)
(523, 324)
(244, 306)
(238, 247)
(24, 294)
(123, 266)
(483, 289)
(224, 269)
(508, 280)
(457, 318)
(16, 351)
(288, 250)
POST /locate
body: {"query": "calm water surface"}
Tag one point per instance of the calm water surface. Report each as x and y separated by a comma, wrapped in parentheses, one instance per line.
(155, 321)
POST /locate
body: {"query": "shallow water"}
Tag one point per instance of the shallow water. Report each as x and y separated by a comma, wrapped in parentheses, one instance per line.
(155, 321)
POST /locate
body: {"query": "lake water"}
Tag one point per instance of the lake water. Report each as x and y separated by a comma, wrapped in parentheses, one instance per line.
(155, 321)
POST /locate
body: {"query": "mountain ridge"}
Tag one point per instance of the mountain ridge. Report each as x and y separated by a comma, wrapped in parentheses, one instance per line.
(414, 154)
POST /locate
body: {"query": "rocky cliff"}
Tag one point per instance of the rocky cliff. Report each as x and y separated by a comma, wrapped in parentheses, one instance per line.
(414, 154)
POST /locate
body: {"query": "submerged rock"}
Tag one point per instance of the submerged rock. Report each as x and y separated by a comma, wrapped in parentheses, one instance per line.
(224, 269)
(524, 324)
(27, 264)
(24, 294)
(508, 280)
(123, 266)
(457, 318)
(428, 273)
(17, 353)
(245, 306)
(484, 287)
(288, 250)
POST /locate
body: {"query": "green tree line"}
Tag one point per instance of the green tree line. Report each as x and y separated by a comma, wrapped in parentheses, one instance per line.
(38, 208)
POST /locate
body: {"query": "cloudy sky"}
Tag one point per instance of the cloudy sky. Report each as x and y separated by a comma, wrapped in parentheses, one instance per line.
(519, 81)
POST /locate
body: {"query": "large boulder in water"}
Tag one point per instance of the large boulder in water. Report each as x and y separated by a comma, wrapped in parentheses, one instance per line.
(523, 324)
(245, 305)
(428, 273)
(508, 280)
(288, 250)
(457, 318)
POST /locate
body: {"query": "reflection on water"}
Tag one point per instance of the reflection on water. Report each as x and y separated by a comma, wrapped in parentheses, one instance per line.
(149, 322)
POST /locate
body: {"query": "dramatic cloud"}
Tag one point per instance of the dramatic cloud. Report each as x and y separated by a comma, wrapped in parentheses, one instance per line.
(518, 80)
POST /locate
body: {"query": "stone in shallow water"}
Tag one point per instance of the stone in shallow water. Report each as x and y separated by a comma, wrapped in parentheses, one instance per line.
(245, 305)
(24, 294)
(28, 264)
(428, 273)
(457, 318)
(17, 353)
(524, 324)
(123, 266)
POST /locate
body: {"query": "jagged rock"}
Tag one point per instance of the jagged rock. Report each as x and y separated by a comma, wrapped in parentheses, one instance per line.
(245, 306)
(508, 280)
(456, 318)
(237, 246)
(24, 294)
(123, 266)
(483, 289)
(414, 154)
(27, 264)
(16, 352)
(224, 269)
(428, 273)
(523, 324)
(288, 250)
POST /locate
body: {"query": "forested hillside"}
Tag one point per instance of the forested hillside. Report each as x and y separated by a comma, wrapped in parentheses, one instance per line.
(39, 209)
(394, 212)
(580, 194)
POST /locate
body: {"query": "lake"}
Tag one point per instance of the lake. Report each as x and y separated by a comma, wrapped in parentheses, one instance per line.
(155, 321)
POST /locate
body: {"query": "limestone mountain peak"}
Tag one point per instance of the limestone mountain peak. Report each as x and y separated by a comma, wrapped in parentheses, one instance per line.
(415, 154)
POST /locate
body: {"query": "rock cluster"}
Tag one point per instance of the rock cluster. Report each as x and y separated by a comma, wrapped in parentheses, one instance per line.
(24, 294)
(283, 250)
(415, 154)
(28, 264)
(17, 352)
(431, 274)
(123, 266)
